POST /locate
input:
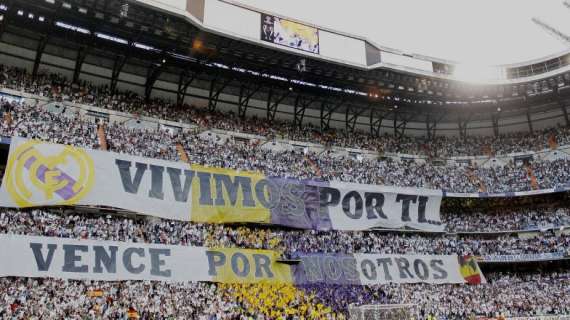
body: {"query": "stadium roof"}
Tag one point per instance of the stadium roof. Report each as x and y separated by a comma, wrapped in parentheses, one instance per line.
(485, 32)
(160, 43)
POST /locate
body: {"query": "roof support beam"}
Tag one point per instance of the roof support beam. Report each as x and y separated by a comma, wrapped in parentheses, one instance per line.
(153, 73)
(273, 101)
(431, 124)
(81, 54)
(529, 120)
(327, 110)
(301, 104)
(247, 90)
(39, 52)
(376, 122)
(216, 88)
(118, 65)
(351, 115)
(564, 112)
(187, 76)
(400, 124)
(462, 124)
(42, 43)
(495, 120)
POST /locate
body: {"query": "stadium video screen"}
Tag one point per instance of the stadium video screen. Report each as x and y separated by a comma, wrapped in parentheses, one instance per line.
(290, 34)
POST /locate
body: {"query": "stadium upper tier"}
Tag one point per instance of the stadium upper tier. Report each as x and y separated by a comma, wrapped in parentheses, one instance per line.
(126, 133)
(260, 64)
(282, 134)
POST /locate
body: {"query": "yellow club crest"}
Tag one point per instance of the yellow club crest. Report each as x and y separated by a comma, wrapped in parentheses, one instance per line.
(48, 174)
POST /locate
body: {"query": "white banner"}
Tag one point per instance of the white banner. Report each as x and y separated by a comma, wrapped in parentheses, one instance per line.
(381, 268)
(31, 256)
(26, 256)
(44, 174)
(371, 269)
(361, 207)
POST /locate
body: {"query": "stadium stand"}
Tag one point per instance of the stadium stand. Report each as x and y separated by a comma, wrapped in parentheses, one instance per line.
(42, 124)
(512, 216)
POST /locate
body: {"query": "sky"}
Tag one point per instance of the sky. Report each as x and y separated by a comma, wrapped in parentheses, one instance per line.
(482, 32)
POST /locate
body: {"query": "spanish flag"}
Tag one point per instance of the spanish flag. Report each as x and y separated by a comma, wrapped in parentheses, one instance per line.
(470, 270)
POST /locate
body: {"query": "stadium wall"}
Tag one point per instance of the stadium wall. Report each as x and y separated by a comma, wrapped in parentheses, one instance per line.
(232, 19)
(17, 51)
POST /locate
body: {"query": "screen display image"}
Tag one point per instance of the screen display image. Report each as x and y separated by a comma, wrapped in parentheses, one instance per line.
(290, 34)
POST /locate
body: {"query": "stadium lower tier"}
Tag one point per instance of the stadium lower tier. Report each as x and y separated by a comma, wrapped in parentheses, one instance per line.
(511, 294)
(506, 294)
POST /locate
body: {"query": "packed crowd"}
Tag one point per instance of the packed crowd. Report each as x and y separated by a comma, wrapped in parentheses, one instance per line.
(33, 121)
(27, 298)
(507, 219)
(508, 294)
(505, 294)
(58, 87)
(290, 243)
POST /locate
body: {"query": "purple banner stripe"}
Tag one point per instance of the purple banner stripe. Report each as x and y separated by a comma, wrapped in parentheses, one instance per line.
(326, 268)
(288, 213)
(66, 192)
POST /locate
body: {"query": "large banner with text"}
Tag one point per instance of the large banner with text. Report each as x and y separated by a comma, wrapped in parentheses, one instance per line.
(44, 174)
(32, 256)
